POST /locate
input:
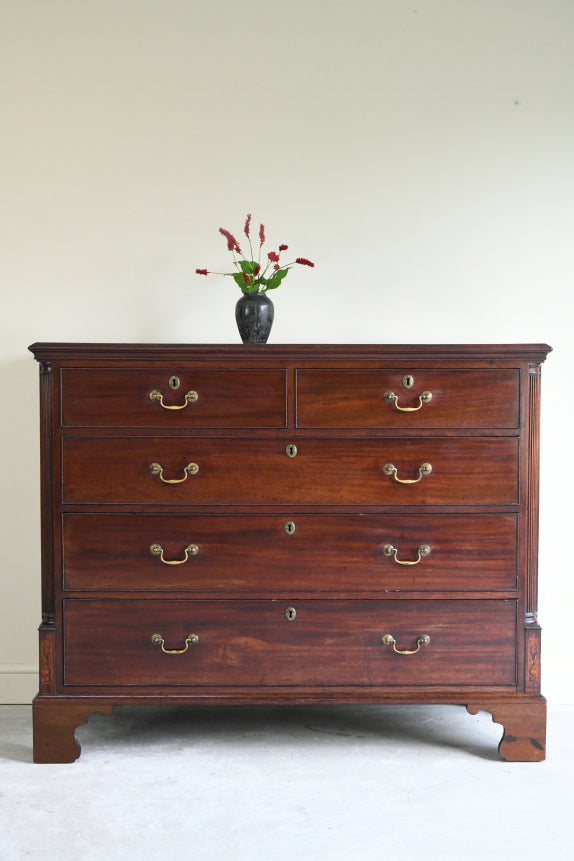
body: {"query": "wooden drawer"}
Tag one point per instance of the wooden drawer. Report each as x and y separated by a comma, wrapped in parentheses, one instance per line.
(338, 642)
(482, 471)
(335, 552)
(344, 398)
(225, 398)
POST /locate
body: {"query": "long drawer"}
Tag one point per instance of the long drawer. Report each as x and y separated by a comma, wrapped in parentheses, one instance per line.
(145, 398)
(338, 642)
(361, 398)
(184, 471)
(309, 552)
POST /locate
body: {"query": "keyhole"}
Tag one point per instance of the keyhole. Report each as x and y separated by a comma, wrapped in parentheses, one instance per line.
(408, 381)
(291, 450)
(174, 383)
(289, 527)
(290, 613)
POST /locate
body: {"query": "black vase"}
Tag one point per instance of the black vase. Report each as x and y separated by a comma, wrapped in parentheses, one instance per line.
(254, 316)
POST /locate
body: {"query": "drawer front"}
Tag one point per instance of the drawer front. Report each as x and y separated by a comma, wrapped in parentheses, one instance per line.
(109, 642)
(257, 472)
(220, 398)
(290, 553)
(363, 399)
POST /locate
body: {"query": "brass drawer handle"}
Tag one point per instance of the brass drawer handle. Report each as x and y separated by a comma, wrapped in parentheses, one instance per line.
(190, 640)
(389, 640)
(190, 398)
(390, 469)
(391, 398)
(157, 469)
(423, 550)
(190, 550)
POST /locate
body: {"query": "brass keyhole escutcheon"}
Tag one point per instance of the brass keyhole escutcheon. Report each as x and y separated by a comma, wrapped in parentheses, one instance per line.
(290, 613)
(408, 381)
(289, 527)
(174, 383)
(291, 450)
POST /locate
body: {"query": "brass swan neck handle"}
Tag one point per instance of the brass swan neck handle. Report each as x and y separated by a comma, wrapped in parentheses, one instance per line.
(389, 640)
(190, 640)
(190, 398)
(190, 550)
(390, 469)
(157, 469)
(391, 398)
(391, 550)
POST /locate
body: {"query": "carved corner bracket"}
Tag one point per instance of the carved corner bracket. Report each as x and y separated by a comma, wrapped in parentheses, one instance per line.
(524, 724)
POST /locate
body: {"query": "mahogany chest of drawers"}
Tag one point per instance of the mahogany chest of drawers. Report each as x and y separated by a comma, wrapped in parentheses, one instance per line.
(289, 524)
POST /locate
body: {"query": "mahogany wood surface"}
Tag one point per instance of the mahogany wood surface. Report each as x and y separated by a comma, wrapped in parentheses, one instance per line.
(47, 658)
(225, 398)
(524, 737)
(213, 354)
(344, 552)
(253, 643)
(104, 594)
(355, 398)
(244, 471)
(54, 725)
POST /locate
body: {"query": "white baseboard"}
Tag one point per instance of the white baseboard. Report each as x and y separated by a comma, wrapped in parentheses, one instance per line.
(18, 683)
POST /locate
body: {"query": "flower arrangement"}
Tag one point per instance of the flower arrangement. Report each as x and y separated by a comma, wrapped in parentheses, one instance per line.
(253, 276)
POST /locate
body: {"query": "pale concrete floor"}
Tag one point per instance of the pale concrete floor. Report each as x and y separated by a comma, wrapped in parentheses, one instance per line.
(372, 783)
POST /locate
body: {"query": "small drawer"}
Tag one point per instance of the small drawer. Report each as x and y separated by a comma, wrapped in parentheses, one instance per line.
(195, 470)
(423, 398)
(310, 643)
(291, 553)
(173, 398)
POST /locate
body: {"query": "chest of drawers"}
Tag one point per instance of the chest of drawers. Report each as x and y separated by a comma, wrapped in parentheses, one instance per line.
(289, 524)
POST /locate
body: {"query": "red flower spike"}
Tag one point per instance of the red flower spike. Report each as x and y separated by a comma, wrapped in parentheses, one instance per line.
(249, 274)
(232, 243)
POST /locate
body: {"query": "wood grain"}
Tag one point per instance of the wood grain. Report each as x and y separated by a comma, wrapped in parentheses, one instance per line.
(251, 642)
(115, 397)
(257, 471)
(337, 552)
(346, 398)
(524, 722)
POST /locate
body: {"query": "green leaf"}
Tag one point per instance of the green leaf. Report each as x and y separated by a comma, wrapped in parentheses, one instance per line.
(245, 288)
(248, 266)
(276, 279)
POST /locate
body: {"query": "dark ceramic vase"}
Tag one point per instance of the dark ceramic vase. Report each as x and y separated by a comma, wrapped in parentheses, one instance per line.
(254, 316)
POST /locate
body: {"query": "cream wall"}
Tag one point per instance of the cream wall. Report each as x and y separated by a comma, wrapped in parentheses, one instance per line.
(420, 152)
